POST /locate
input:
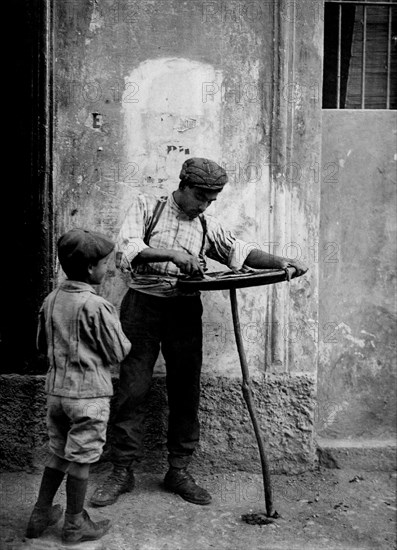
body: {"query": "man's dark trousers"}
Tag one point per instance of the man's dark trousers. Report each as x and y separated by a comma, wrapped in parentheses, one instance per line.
(174, 324)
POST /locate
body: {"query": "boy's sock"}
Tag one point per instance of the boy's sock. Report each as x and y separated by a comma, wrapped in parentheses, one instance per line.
(50, 483)
(75, 494)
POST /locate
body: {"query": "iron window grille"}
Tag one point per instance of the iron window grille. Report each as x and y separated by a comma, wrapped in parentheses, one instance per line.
(360, 54)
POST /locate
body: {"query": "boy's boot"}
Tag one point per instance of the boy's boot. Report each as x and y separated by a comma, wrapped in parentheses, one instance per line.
(79, 527)
(179, 481)
(41, 518)
(44, 513)
(120, 481)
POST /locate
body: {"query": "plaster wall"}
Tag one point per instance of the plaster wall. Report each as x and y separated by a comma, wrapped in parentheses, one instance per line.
(140, 87)
(357, 366)
(137, 94)
(139, 91)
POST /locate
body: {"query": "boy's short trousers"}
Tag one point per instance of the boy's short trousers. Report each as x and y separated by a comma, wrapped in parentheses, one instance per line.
(77, 427)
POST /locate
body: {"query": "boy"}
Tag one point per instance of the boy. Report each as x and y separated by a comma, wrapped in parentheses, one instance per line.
(81, 336)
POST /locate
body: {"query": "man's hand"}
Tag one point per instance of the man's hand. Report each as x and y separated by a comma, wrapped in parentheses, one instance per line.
(258, 259)
(300, 267)
(187, 263)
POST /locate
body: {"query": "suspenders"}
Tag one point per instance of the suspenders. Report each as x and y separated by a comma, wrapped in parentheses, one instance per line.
(156, 216)
(204, 226)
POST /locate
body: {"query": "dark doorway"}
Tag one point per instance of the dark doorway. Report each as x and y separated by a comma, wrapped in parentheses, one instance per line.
(27, 226)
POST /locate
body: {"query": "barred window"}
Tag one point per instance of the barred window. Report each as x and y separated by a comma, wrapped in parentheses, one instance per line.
(360, 55)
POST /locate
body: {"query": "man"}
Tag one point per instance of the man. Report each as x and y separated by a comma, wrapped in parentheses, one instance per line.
(158, 241)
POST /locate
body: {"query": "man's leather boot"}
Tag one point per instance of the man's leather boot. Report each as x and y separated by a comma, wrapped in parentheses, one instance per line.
(41, 518)
(179, 481)
(80, 527)
(120, 481)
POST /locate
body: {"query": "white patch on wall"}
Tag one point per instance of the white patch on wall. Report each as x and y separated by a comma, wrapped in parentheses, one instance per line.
(347, 333)
(97, 21)
(166, 120)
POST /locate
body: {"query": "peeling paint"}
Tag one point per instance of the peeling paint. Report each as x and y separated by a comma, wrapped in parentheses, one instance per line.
(368, 333)
(348, 335)
(97, 21)
(186, 124)
(172, 86)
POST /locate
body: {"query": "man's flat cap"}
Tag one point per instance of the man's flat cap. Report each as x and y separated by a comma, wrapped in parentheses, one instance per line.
(204, 173)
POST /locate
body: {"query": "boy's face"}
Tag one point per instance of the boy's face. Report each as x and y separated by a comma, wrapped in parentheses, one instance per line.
(98, 271)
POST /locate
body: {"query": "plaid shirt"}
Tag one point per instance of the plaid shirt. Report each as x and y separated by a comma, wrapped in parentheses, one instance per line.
(174, 230)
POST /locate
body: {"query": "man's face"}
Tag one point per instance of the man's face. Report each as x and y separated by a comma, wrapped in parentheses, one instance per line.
(194, 200)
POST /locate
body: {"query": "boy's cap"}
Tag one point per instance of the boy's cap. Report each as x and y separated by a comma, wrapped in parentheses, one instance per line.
(204, 173)
(79, 247)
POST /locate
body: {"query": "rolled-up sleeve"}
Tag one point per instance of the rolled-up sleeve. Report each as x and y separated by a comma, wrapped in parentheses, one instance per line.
(129, 242)
(225, 247)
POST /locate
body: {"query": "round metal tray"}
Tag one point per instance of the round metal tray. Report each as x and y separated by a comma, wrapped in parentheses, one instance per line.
(220, 280)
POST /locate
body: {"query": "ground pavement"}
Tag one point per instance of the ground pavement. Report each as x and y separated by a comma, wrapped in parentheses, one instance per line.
(326, 509)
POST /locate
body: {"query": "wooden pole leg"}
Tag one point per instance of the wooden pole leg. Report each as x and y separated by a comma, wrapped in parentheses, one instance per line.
(247, 394)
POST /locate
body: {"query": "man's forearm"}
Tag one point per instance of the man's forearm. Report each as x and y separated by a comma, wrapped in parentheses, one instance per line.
(259, 259)
(262, 260)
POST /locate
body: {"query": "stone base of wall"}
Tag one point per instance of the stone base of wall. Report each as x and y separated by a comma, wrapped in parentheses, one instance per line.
(361, 454)
(285, 408)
